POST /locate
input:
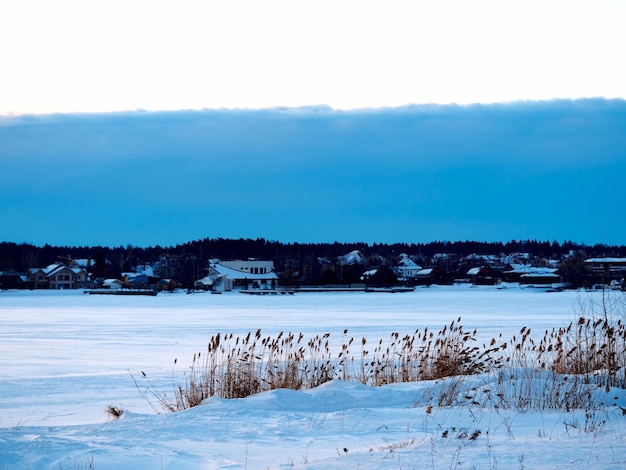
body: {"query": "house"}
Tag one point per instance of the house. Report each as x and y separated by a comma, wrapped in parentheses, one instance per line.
(514, 273)
(544, 279)
(483, 276)
(135, 279)
(251, 266)
(214, 281)
(113, 284)
(529, 275)
(604, 270)
(407, 268)
(167, 285)
(428, 276)
(245, 274)
(37, 278)
(58, 276)
(11, 279)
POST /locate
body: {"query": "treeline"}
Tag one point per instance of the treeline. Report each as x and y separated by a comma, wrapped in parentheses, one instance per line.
(295, 262)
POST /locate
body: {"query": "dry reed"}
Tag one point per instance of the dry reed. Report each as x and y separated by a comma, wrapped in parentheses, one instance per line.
(559, 371)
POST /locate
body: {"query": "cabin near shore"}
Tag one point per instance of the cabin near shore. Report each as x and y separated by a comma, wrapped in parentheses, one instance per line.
(540, 279)
(483, 276)
(528, 274)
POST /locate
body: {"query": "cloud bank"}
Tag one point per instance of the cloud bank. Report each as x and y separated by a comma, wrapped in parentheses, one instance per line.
(523, 170)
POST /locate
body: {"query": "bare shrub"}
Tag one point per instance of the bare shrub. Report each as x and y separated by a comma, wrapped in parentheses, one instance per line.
(115, 412)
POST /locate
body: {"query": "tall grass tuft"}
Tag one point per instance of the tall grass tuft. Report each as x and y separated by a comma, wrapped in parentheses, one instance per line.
(239, 366)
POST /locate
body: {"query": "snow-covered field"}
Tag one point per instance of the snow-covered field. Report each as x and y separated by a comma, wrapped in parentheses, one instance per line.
(65, 357)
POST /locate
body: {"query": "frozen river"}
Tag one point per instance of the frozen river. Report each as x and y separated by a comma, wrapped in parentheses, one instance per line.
(58, 348)
(66, 357)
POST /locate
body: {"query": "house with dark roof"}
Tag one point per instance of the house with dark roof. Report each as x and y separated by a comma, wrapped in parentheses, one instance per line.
(483, 276)
(607, 270)
(428, 276)
(11, 279)
(527, 274)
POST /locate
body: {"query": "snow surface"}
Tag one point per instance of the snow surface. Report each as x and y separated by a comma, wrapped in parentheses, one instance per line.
(67, 356)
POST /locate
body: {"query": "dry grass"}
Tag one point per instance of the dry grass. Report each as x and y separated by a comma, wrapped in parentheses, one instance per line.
(562, 370)
(235, 367)
(425, 355)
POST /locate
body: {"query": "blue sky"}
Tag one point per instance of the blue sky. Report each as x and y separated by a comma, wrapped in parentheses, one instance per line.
(550, 170)
(149, 122)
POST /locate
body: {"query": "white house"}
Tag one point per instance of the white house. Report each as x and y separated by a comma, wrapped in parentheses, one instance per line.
(406, 268)
(245, 274)
(250, 266)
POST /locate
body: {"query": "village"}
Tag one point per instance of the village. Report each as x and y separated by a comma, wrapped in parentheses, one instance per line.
(351, 271)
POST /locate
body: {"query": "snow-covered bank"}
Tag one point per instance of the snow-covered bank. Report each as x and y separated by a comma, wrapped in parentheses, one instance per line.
(338, 425)
(67, 356)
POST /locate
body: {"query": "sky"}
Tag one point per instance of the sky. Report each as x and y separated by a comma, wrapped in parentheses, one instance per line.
(151, 123)
(116, 55)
